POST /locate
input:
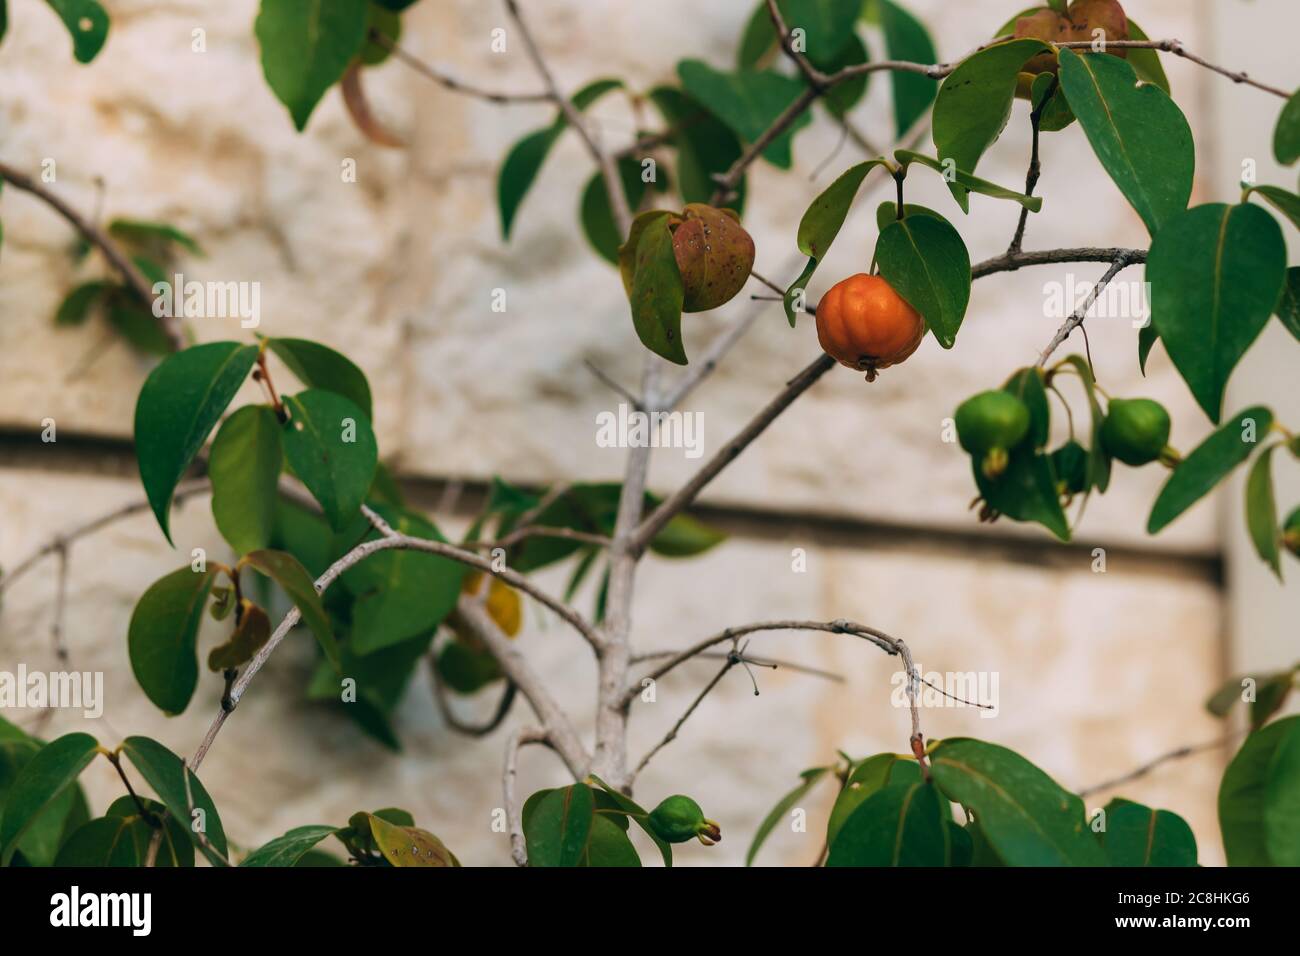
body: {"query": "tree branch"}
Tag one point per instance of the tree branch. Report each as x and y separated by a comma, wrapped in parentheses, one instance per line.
(135, 280)
(1011, 262)
(1146, 768)
(1076, 320)
(454, 721)
(732, 660)
(1035, 168)
(451, 82)
(522, 737)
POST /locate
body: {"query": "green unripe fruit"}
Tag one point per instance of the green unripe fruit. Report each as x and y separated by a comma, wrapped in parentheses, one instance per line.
(989, 420)
(1070, 463)
(679, 818)
(1136, 430)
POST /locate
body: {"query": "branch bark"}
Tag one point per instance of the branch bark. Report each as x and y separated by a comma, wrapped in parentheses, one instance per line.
(509, 785)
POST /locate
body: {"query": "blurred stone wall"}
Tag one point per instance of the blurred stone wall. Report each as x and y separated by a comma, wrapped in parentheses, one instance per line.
(1097, 671)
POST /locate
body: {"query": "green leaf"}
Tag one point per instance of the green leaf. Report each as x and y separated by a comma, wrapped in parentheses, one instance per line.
(900, 825)
(1288, 307)
(1138, 133)
(1286, 137)
(1146, 63)
(77, 305)
(1028, 385)
(1259, 785)
(609, 844)
(1026, 491)
(827, 27)
(925, 260)
(907, 39)
(783, 806)
(162, 637)
(244, 467)
(959, 176)
(1056, 114)
(1285, 202)
(138, 327)
(1261, 511)
(641, 816)
(558, 830)
(250, 635)
(87, 23)
(974, 103)
(180, 402)
(821, 223)
(866, 778)
(163, 771)
(50, 826)
(1147, 339)
(318, 366)
(306, 46)
(1268, 693)
(47, 775)
(465, 669)
(1216, 274)
(142, 232)
(286, 571)
(401, 593)
(1139, 836)
(1023, 813)
(1099, 462)
(748, 101)
(657, 293)
(525, 159)
(842, 97)
(1282, 801)
(103, 842)
(685, 537)
(288, 849)
(596, 215)
(1208, 464)
(705, 146)
(887, 212)
(331, 448)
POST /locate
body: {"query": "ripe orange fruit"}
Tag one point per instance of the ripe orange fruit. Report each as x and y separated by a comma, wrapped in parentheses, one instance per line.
(864, 324)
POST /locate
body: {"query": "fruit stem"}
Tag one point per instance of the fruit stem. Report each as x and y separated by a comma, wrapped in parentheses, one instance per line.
(1169, 457)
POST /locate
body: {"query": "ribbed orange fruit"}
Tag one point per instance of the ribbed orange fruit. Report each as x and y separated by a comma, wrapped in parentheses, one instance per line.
(864, 324)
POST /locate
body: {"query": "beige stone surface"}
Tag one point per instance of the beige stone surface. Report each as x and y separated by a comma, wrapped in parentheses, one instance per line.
(1096, 673)
(399, 268)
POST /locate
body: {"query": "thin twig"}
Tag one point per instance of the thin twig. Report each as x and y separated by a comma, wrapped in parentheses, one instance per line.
(1011, 262)
(1146, 768)
(451, 82)
(731, 661)
(1035, 167)
(1176, 47)
(522, 737)
(607, 380)
(135, 280)
(543, 531)
(772, 662)
(200, 834)
(1076, 319)
(454, 721)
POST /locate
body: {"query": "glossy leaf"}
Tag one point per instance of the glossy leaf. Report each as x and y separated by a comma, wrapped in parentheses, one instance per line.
(705, 146)
(1258, 788)
(609, 845)
(1099, 461)
(783, 807)
(288, 572)
(1216, 274)
(87, 23)
(162, 637)
(657, 292)
(1261, 511)
(319, 366)
(1028, 385)
(1025, 491)
(1284, 201)
(401, 593)
(47, 775)
(974, 103)
(748, 101)
(163, 771)
(250, 635)
(306, 47)
(244, 467)
(1138, 133)
(558, 831)
(180, 402)
(102, 842)
(842, 97)
(901, 825)
(1146, 63)
(525, 159)
(1140, 836)
(46, 830)
(1208, 464)
(868, 777)
(639, 815)
(959, 176)
(1288, 307)
(925, 260)
(1023, 813)
(821, 223)
(685, 537)
(1286, 136)
(288, 849)
(331, 448)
